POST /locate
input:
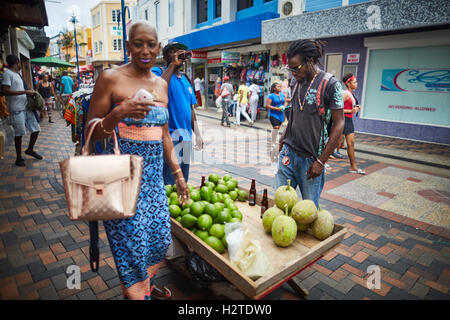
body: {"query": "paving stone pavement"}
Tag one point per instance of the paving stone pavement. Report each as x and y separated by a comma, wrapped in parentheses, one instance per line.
(38, 241)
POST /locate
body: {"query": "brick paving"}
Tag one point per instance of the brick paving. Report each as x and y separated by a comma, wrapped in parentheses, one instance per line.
(38, 241)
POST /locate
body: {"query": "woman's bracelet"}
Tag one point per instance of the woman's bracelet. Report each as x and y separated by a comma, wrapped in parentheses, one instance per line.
(103, 128)
(176, 171)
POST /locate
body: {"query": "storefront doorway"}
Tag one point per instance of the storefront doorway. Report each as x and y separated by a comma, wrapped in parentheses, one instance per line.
(214, 73)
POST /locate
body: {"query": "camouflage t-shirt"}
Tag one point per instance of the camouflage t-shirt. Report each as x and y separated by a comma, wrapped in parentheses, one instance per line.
(305, 128)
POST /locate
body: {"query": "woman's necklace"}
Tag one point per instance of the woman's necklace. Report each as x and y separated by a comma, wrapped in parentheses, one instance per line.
(306, 94)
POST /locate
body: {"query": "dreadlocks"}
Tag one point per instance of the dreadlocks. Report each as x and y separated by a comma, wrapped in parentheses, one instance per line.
(310, 51)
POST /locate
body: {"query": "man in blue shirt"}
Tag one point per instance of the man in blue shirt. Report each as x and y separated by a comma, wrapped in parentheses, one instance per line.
(67, 83)
(182, 119)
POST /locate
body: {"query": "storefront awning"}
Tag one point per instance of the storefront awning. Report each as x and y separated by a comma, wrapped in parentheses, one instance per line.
(239, 30)
(23, 13)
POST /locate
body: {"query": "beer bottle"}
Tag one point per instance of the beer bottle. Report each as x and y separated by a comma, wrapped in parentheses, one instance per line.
(203, 182)
(252, 194)
(264, 203)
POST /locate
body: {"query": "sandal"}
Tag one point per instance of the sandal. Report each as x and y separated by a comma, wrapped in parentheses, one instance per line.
(161, 294)
(359, 171)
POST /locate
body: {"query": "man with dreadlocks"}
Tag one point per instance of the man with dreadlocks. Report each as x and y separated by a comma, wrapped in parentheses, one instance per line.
(316, 98)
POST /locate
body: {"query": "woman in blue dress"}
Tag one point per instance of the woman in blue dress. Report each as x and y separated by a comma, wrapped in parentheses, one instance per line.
(276, 103)
(139, 244)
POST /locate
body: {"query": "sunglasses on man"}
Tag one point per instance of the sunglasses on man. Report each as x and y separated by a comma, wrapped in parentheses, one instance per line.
(295, 70)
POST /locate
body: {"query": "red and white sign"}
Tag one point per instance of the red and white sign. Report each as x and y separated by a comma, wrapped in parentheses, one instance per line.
(353, 58)
(199, 55)
(214, 60)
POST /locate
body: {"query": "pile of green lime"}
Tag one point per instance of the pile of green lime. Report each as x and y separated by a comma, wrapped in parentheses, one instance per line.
(209, 208)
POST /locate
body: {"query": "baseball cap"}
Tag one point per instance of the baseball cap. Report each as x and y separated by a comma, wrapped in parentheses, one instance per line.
(226, 78)
(174, 45)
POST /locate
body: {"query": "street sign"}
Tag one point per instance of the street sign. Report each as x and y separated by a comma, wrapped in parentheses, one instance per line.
(116, 31)
(353, 58)
(231, 57)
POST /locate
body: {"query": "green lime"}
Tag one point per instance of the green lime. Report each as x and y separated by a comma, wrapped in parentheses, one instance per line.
(224, 242)
(233, 195)
(188, 221)
(217, 230)
(204, 203)
(221, 188)
(174, 188)
(174, 210)
(235, 183)
(220, 206)
(173, 196)
(204, 222)
(206, 193)
(242, 195)
(215, 243)
(168, 189)
(227, 177)
(215, 197)
(194, 229)
(195, 195)
(197, 209)
(221, 181)
(202, 234)
(210, 185)
(235, 220)
(230, 185)
(178, 219)
(213, 178)
(212, 210)
(190, 186)
(228, 202)
(236, 214)
(223, 216)
(226, 196)
(186, 211)
(188, 204)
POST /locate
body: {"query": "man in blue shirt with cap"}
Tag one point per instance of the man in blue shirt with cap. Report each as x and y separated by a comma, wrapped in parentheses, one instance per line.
(182, 119)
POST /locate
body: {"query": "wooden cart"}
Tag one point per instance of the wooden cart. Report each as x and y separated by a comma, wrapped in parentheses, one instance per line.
(286, 262)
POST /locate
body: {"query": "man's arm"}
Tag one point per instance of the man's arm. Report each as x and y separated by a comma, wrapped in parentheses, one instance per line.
(176, 62)
(7, 92)
(194, 125)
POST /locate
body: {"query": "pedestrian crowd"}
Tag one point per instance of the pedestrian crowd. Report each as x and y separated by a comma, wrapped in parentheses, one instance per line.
(163, 130)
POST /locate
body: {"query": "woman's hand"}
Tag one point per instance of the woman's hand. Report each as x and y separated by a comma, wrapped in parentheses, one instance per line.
(182, 189)
(131, 108)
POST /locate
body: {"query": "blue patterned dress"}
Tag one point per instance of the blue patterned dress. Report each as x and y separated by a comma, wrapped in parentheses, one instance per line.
(142, 241)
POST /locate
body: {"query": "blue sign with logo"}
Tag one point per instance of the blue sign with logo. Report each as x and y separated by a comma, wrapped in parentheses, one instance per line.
(416, 80)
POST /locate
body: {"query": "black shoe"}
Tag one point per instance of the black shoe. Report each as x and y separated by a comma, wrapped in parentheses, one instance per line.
(20, 163)
(33, 154)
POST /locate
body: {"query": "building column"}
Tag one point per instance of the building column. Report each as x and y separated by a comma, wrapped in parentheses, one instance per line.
(229, 9)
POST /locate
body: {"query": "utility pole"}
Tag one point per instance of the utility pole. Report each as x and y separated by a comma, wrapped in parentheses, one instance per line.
(74, 21)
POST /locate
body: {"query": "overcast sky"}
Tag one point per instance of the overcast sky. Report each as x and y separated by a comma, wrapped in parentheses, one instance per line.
(60, 11)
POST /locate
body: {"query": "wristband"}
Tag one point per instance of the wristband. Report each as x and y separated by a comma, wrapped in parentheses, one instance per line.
(176, 171)
(321, 163)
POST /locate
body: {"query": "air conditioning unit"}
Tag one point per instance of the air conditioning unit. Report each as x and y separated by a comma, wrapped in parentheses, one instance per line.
(289, 8)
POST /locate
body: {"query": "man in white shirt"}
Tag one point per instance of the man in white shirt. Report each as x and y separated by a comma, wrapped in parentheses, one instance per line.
(197, 88)
(254, 98)
(16, 101)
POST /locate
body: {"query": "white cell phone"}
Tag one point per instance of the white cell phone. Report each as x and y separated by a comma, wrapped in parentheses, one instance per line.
(144, 96)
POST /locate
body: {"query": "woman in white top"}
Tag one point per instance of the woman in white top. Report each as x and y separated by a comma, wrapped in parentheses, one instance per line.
(254, 98)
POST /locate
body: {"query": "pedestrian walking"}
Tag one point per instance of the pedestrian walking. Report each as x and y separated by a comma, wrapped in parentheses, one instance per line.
(286, 90)
(13, 87)
(316, 96)
(253, 99)
(67, 85)
(226, 93)
(350, 108)
(242, 104)
(182, 102)
(139, 244)
(47, 91)
(276, 103)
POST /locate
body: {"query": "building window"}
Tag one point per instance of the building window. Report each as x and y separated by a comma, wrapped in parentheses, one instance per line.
(95, 46)
(244, 4)
(146, 14)
(218, 9)
(202, 11)
(116, 15)
(100, 46)
(98, 18)
(93, 20)
(117, 44)
(157, 14)
(171, 12)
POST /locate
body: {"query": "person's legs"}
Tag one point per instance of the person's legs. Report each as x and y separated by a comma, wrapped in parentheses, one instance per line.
(253, 108)
(49, 103)
(312, 188)
(274, 144)
(225, 103)
(350, 139)
(244, 113)
(238, 114)
(286, 169)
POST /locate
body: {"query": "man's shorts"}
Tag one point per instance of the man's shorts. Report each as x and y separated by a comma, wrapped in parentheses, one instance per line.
(22, 119)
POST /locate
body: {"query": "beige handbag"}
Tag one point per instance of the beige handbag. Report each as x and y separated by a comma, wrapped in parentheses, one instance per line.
(101, 187)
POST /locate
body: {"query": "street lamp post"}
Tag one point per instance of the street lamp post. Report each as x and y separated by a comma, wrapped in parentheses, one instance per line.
(124, 29)
(74, 21)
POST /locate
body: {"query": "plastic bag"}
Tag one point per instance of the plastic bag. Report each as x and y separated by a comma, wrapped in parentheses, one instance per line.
(233, 235)
(201, 270)
(250, 258)
(219, 103)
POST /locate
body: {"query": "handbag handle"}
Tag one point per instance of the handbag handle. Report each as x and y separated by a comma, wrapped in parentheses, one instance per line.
(91, 127)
